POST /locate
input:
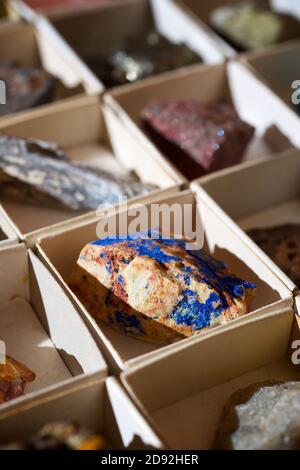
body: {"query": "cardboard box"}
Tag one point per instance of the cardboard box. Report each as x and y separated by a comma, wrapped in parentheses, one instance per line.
(99, 30)
(33, 46)
(120, 350)
(186, 406)
(104, 408)
(41, 328)
(206, 84)
(78, 127)
(8, 232)
(255, 195)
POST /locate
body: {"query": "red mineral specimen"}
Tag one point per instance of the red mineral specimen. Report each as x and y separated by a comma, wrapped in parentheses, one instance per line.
(198, 139)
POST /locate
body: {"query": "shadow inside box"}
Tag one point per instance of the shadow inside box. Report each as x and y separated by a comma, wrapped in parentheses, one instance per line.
(2, 235)
(73, 364)
(128, 347)
(265, 295)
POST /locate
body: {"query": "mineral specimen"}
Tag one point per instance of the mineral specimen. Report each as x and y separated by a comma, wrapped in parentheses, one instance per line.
(282, 244)
(198, 139)
(156, 290)
(62, 436)
(141, 57)
(263, 416)
(254, 25)
(40, 172)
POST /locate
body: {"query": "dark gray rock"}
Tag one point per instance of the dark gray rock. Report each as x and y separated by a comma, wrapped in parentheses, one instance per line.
(40, 172)
(262, 417)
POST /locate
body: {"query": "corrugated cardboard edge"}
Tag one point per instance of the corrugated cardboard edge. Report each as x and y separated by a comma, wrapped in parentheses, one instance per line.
(9, 229)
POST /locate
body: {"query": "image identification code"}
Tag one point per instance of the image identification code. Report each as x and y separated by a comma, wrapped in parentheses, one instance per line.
(151, 459)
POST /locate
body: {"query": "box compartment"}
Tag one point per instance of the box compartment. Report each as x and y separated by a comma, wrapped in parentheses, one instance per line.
(41, 328)
(206, 84)
(256, 195)
(33, 46)
(99, 29)
(80, 130)
(200, 14)
(186, 407)
(122, 351)
(104, 408)
(278, 68)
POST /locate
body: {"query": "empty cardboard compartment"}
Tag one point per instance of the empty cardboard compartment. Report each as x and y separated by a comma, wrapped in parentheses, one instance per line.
(279, 69)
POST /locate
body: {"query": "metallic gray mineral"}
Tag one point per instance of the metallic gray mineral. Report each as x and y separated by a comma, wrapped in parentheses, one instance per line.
(262, 417)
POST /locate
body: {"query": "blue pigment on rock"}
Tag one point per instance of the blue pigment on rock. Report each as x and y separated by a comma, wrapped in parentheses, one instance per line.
(129, 322)
(189, 311)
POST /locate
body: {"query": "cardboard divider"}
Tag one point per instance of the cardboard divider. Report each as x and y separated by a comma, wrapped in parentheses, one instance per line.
(41, 328)
(260, 106)
(104, 408)
(80, 130)
(206, 84)
(274, 201)
(182, 27)
(33, 46)
(186, 407)
(197, 15)
(278, 68)
(9, 234)
(222, 242)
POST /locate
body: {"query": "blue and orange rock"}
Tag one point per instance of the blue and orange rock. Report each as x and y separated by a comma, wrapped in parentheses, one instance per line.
(155, 289)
